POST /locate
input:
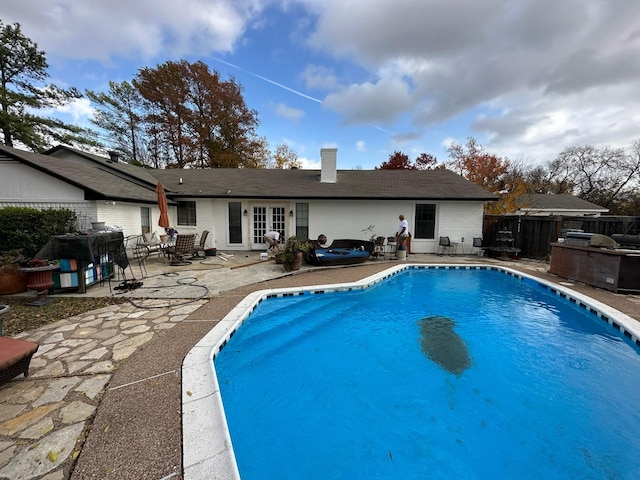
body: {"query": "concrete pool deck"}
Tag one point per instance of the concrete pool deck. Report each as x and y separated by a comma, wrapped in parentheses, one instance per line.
(103, 399)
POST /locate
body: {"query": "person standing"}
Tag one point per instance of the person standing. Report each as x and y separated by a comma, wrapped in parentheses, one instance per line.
(402, 233)
(272, 238)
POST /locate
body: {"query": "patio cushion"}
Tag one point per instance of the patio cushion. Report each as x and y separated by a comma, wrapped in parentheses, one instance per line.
(15, 355)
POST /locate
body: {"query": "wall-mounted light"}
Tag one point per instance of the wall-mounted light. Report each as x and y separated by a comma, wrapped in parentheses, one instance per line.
(291, 213)
(109, 202)
(245, 212)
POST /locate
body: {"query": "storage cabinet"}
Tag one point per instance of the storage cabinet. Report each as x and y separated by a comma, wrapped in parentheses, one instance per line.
(71, 275)
(84, 259)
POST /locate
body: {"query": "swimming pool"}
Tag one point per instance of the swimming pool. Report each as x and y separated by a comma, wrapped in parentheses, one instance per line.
(456, 401)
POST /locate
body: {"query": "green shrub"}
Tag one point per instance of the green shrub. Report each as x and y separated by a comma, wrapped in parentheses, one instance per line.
(29, 229)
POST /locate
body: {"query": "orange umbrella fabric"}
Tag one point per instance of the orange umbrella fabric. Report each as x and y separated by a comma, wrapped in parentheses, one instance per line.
(163, 221)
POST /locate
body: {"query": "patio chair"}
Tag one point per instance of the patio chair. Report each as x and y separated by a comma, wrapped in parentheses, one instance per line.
(201, 246)
(477, 243)
(151, 243)
(378, 248)
(445, 243)
(391, 246)
(136, 250)
(182, 248)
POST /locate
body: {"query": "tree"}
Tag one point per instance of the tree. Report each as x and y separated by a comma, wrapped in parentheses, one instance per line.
(285, 158)
(601, 175)
(482, 168)
(495, 174)
(400, 161)
(120, 114)
(23, 71)
(426, 161)
(165, 91)
(198, 119)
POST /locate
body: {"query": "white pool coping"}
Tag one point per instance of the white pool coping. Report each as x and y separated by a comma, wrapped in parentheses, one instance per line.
(206, 446)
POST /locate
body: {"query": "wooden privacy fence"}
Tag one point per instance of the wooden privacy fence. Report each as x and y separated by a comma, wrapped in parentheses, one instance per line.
(534, 235)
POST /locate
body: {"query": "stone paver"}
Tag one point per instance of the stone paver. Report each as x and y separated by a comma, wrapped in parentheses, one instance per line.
(43, 416)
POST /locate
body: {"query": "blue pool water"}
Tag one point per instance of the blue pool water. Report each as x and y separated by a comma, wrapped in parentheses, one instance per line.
(438, 374)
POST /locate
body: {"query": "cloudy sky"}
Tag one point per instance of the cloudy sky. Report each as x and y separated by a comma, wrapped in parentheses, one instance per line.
(526, 78)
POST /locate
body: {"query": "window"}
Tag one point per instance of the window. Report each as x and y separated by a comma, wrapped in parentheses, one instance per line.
(235, 222)
(302, 220)
(145, 219)
(425, 221)
(186, 213)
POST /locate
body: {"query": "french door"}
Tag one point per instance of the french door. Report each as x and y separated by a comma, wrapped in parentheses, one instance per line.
(266, 218)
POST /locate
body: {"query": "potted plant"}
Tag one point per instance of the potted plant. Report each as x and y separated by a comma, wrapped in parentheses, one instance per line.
(12, 280)
(291, 253)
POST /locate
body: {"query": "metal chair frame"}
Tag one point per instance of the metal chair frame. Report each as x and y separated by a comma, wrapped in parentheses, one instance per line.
(184, 246)
(378, 248)
(202, 245)
(392, 246)
(445, 243)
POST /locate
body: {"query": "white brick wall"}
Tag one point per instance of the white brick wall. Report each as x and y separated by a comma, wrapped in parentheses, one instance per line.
(458, 220)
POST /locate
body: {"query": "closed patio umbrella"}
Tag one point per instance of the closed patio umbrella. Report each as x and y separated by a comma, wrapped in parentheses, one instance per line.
(163, 221)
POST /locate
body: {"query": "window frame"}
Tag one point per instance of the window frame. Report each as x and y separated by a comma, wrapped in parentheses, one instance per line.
(187, 208)
(425, 229)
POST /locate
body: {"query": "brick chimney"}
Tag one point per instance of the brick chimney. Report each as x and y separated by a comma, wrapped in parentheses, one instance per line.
(328, 174)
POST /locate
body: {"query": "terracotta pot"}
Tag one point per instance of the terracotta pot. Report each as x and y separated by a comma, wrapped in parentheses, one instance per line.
(12, 282)
(163, 239)
(40, 278)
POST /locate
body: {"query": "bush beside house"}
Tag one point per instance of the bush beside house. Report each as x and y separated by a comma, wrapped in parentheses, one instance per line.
(29, 229)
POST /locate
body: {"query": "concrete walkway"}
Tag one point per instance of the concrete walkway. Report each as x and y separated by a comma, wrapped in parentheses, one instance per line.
(102, 400)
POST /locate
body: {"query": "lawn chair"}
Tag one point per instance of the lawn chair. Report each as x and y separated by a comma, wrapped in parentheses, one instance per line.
(201, 246)
(183, 247)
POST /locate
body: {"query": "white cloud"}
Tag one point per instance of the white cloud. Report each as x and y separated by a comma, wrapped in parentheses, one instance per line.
(525, 77)
(317, 77)
(361, 146)
(79, 109)
(124, 28)
(308, 164)
(562, 71)
(371, 102)
(288, 112)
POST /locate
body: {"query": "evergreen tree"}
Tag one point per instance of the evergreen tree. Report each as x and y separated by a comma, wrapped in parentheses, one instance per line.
(23, 72)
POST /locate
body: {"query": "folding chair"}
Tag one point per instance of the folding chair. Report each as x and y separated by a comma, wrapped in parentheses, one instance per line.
(445, 243)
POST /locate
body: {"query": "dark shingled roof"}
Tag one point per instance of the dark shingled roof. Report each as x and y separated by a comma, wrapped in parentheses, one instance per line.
(98, 181)
(305, 184)
(102, 179)
(541, 201)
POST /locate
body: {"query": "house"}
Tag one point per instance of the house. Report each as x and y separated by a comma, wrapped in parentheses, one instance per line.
(238, 206)
(550, 204)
